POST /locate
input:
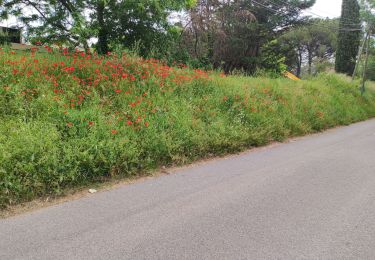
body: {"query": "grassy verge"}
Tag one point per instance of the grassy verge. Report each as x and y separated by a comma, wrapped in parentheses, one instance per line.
(69, 119)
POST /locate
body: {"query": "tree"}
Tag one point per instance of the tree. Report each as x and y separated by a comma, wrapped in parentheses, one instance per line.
(55, 21)
(76, 22)
(230, 34)
(368, 17)
(349, 37)
(313, 41)
(130, 22)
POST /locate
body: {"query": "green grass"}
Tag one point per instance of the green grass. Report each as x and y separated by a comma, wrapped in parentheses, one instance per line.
(59, 131)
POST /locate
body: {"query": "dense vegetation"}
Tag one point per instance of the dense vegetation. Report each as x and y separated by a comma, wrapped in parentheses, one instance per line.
(86, 108)
(349, 39)
(250, 36)
(312, 45)
(70, 119)
(227, 35)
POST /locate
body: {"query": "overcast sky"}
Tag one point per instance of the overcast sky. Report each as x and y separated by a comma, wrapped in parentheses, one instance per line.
(327, 8)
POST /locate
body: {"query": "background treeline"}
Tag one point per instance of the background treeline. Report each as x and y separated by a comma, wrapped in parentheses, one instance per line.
(247, 36)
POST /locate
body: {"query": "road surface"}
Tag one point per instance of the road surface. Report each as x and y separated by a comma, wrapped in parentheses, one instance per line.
(313, 198)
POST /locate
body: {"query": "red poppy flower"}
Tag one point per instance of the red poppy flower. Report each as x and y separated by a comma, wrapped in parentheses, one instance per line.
(68, 69)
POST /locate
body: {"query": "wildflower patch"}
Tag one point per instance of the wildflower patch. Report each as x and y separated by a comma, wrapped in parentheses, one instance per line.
(71, 118)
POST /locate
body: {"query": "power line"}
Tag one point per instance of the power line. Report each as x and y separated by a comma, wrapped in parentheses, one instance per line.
(282, 4)
(364, 75)
(359, 55)
(285, 14)
(348, 20)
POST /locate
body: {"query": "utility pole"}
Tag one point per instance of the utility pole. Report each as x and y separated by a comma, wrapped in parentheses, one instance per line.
(363, 88)
(360, 51)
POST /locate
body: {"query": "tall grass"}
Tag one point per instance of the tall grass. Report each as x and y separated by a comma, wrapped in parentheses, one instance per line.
(68, 119)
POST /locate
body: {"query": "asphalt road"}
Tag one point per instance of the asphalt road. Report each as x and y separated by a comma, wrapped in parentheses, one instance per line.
(313, 198)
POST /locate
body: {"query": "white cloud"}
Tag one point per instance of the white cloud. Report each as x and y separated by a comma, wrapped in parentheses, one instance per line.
(9, 23)
(326, 8)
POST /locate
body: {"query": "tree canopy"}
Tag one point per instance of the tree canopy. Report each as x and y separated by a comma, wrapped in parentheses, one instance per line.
(230, 34)
(245, 35)
(77, 21)
(316, 40)
(349, 37)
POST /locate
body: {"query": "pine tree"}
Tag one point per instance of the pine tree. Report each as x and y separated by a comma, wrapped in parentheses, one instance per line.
(349, 37)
